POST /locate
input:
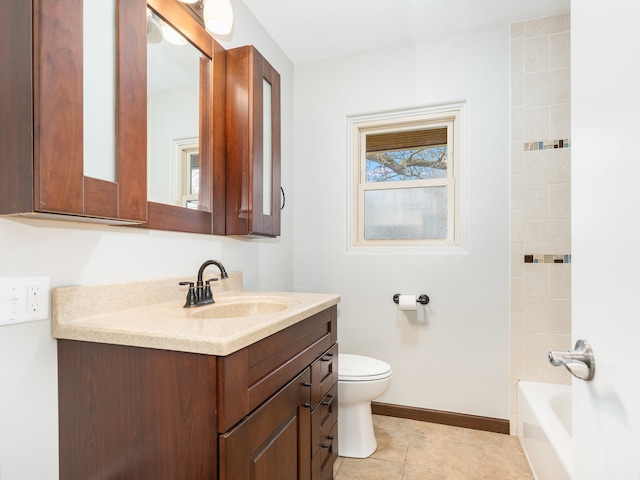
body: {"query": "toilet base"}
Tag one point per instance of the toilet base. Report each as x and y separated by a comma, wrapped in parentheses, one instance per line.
(355, 427)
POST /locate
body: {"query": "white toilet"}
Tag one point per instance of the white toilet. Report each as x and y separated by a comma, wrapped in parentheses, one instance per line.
(360, 380)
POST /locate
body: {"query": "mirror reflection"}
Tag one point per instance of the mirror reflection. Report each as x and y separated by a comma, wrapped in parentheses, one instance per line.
(173, 115)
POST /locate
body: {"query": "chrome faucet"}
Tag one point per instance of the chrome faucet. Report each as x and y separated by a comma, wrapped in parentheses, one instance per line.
(580, 361)
(201, 294)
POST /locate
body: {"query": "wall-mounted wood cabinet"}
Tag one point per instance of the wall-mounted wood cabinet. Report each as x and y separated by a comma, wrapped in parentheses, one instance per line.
(41, 115)
(252, 144)
(43, 112)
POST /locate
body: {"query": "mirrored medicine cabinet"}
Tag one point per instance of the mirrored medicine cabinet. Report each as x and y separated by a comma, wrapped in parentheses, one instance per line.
(185, 135)
(177, 147)
(41, 120)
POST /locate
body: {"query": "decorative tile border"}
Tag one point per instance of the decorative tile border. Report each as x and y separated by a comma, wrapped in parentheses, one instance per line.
(546, 258)
(547, 144)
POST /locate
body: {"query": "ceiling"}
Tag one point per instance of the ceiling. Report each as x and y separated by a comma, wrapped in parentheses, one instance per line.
(311, 30)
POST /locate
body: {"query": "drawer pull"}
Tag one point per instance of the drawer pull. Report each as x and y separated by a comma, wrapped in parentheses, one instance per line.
(329, 437)
(307, 405)
(306, 384)
(330, 397)
(325, 359)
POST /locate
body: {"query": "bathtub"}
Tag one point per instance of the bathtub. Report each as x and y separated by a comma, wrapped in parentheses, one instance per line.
(544, 429)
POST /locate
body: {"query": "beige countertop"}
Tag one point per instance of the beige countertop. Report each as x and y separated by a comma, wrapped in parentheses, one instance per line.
(151, 314)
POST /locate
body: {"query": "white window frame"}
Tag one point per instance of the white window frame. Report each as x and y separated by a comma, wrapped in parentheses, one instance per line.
(180, 176)
(452, 116)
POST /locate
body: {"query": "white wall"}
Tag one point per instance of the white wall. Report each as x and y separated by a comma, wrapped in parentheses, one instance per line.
(458, 359)
(73, 254)
(172, 116)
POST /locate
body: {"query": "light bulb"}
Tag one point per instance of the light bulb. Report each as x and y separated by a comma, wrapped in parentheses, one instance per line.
(218, 16)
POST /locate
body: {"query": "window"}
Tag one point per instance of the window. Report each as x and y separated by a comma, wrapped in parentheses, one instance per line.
(405, 180)
(190, 185)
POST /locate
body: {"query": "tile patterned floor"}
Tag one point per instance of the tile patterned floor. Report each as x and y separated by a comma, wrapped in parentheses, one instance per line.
(412, 450)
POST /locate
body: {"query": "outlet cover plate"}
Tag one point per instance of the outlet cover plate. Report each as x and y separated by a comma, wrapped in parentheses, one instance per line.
(24, 299)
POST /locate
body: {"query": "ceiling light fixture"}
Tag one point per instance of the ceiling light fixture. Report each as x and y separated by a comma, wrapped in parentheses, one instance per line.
(189, 1)
(218, 16)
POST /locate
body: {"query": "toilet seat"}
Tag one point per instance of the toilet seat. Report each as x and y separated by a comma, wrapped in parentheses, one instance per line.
(358, 368)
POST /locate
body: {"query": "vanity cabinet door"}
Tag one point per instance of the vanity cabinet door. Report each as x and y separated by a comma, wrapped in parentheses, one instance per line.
(252, 144)
(135, 413)
(274, 441)
(41, 115)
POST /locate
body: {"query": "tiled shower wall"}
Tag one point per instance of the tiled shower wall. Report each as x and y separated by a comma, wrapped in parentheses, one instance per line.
(540, 199)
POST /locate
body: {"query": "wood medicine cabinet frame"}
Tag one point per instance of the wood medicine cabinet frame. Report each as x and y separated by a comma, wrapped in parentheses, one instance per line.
(210, 217)
(41, 115)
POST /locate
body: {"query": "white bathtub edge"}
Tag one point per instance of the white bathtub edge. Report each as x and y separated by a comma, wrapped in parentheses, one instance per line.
(535, 413)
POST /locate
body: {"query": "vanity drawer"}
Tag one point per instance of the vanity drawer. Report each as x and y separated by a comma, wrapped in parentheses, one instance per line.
(323, 419)
(323, 460)
(250, 376)
(324, 374)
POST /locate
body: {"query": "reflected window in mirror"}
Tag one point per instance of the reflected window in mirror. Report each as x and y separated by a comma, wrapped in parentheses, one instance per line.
(190, 181)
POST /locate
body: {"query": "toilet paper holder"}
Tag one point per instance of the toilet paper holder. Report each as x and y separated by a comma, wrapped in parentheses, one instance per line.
(423, 299)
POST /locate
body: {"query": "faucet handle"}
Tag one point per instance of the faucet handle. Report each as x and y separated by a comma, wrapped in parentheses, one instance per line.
(191, 295)
(208, 295)
(579, 361)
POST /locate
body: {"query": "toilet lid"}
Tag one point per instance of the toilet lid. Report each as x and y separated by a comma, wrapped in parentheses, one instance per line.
(360, 368)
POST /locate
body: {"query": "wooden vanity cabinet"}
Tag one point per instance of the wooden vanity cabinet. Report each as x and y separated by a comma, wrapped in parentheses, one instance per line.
(253, 152)
(266, 411)
(41, 115)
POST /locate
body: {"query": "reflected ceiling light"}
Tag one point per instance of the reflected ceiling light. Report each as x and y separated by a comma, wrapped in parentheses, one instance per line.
(172, 36)
(218, 16)
(189, 1)
(154, 33)
(157, 29)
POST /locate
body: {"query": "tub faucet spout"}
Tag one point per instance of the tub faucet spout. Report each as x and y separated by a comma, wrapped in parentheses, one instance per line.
(579, 362)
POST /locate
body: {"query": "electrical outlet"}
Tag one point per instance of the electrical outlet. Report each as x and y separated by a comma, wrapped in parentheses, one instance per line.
(34, 298)
(23, 299)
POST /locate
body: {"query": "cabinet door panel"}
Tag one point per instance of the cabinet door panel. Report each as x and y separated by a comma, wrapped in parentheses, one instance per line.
(246, 145)
(274, 441)
(16, 107)
(135, 413)
(58, 183)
